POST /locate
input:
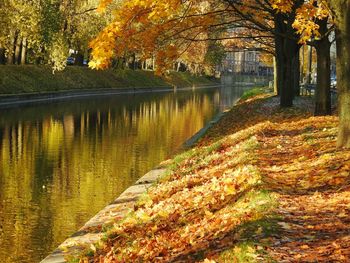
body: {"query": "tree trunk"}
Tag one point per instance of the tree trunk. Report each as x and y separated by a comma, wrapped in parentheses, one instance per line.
(323, 91)
(18, 50)
(79, 59)
(2, 56)
(296, 70)
(323, 87)
(342, 9)
(10, 55)
(24, 51)
(302, 63)
(309, 65)
(279, 63)
(133, 61)
(153, 63)
(287, 50)
(275, 86)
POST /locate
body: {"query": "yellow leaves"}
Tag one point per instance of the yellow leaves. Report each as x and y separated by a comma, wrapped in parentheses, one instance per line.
(103, 4)
(306, 15)
(130, 220)
(284, 6)
(305, 21)
(154, 29)
(230, 187)
(304, 247)
(209, 261)
(284, 225)
(142, 215)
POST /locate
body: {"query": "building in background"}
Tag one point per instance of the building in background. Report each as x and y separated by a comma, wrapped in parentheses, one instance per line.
(245, 62)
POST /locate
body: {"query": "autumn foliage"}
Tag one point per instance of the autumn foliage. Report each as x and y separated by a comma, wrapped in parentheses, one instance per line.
(170, 31)
(198, 212)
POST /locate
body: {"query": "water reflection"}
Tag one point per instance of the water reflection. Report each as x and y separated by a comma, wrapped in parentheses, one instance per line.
(61, 163)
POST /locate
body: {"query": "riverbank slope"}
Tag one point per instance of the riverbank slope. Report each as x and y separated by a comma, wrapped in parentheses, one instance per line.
(263, 185)
(39, 79)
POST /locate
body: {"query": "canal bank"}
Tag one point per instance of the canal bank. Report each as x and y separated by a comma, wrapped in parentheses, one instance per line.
(92, 231)
(8, 101)
(31, 80)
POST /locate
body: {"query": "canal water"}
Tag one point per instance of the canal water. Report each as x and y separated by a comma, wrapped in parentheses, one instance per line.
(60, 163)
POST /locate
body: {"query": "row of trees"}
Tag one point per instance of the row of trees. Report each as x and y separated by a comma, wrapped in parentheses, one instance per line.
(43, 31)
(173, 28)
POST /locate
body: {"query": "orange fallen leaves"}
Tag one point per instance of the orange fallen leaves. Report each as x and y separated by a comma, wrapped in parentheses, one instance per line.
(205, 196)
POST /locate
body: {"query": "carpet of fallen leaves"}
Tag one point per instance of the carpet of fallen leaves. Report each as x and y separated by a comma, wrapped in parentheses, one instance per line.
(264, 185)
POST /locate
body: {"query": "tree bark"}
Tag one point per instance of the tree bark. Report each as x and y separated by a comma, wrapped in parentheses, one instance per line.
(287, 50)
(323, 91)
(275, 79)
(343, 73)
(302, 63)
(340, 11)
(153, 63)
(2, 56)
(10, 55)
(279, 64)
(323, 86)
(296, 70)
(24, 51)
(79, 59)
(18, 50)
(133, 61)
(309, 65)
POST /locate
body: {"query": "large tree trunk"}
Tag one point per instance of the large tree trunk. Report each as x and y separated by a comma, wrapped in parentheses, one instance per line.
(24, 51)
(323, 87)
(341, 10)
(323, 92)
(343, 71)
(287, 52)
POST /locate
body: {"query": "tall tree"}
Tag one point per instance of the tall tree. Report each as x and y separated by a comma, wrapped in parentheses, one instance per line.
(323, 88)
(341, 11)
(315, 30)
(277, 17)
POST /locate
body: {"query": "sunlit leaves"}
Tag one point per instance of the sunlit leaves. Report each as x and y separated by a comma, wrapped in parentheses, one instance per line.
(284, 6)
(59, 52)
(161, 29)
(305, 21)
(306, 17)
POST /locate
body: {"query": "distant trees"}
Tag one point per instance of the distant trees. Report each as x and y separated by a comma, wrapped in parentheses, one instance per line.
(43, 31)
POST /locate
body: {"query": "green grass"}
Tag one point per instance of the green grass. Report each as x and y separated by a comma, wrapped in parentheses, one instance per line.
(254, 236)
(253, 92)
(39, 79)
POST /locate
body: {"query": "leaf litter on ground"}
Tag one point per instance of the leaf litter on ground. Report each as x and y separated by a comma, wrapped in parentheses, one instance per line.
(263, 185)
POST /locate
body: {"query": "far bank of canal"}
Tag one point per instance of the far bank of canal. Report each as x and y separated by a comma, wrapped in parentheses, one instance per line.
(60, 163)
